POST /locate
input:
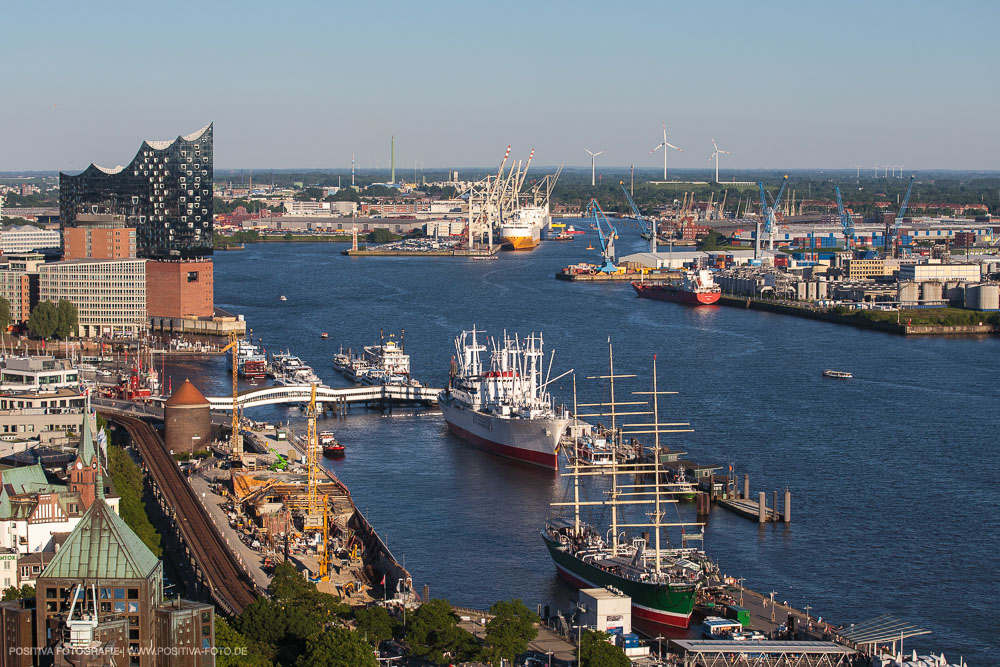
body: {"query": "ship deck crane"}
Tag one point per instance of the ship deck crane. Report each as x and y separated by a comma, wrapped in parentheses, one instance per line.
(846, 221)
(649, 225)
(607, 237)
(235, 442)
(767, 213)
(891, 241)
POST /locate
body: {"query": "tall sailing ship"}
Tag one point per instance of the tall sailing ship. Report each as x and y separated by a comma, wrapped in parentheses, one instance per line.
(661, 578)
(503, 405)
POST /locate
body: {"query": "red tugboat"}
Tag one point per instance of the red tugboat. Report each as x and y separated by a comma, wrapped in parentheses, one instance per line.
(697, 288)
(331, 447)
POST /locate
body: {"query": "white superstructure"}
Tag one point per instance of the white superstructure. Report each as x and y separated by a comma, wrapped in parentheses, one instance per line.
(503, 405)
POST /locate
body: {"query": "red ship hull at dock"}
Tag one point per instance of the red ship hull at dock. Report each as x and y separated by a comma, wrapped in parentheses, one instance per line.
(668, 292)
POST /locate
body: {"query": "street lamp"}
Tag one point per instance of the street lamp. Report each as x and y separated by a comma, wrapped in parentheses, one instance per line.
(772, 605)
(740, 582)
(659, 649)
(549, 653)
(579, 641)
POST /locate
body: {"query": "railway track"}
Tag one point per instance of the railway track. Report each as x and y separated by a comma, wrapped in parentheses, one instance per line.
(231, 588)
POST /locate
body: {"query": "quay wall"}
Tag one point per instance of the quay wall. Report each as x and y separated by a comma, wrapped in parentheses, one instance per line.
(857, 322)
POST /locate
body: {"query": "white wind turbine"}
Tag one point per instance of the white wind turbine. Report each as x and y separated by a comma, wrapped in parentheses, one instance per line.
(665, 145)
(715, 156)
(593, 161)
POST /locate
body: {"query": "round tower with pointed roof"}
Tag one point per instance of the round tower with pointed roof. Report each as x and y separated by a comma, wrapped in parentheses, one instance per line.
(187, 420)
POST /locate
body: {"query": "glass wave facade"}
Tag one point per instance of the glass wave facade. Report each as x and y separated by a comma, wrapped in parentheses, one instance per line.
(165, 193)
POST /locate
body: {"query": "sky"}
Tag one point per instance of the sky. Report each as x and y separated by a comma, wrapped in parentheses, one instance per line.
(781, 85)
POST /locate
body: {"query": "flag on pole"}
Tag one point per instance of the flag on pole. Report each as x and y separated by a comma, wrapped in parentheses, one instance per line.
(102, 442)
(383, 580)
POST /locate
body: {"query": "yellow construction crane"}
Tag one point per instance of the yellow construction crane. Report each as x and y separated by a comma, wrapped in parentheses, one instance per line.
(314, 513)
(235, 443)
(324, 561)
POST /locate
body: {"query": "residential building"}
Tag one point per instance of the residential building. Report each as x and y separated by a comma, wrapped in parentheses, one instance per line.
(32, 373)
(29, 566)
(165, 193)
(9, 577)
(110, 295)
(99, 237)
(19, 283)
(44, 415)
(28, 238)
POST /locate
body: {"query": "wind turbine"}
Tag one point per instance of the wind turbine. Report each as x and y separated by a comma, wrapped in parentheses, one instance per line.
(715, 156)
(858, 167)
(900, 170)
(593, 160)
(665, 145)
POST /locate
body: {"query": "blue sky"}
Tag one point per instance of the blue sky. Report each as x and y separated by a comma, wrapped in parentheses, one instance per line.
(305, 84)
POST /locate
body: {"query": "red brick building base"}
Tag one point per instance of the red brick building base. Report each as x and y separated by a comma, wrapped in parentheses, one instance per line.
(180, 289)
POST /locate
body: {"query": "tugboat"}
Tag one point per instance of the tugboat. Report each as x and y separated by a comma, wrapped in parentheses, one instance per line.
(324, 335)
(331, 447)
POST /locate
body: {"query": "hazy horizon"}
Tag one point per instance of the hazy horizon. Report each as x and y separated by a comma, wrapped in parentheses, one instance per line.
(782, 86)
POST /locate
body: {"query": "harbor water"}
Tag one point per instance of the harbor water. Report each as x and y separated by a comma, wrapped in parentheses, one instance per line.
(894, 500)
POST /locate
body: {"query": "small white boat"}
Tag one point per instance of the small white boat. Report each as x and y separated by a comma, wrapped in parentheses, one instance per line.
(843, 375)
(282, 298)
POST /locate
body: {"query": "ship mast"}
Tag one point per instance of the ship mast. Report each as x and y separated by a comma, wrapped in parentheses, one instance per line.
(576, 465)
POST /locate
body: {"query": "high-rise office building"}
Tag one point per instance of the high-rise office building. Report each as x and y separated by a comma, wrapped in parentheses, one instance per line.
(165, 193)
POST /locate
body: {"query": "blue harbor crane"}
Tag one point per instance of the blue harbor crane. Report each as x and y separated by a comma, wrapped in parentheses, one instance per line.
(607, 233)
(649, 225)
(891, 240)
(767, 213)
(846, 221)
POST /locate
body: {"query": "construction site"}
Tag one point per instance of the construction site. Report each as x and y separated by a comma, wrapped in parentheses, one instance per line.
(284, 507)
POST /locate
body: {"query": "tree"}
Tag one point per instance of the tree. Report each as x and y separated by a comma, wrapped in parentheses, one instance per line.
(4, 313)
(288, 236)
(127, 478)
(338, 647)
(510, 630)
(712, 241)
(44, 319)
(15, 593)
(380, 235)
(375, 624)
(595, 651)
(234, 649)
(434, 632)
(66, 319)
(309, 194)
(345, 194)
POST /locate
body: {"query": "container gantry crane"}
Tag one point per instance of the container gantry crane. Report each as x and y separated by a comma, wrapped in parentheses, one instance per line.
(846, 221)
(767, 213)
(649, 225)
(607, 233)
(891, 241)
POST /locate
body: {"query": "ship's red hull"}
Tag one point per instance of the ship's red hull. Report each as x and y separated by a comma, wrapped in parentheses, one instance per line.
(676, 294)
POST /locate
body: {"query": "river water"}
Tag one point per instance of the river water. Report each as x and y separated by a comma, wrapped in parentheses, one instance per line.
(894, 496)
